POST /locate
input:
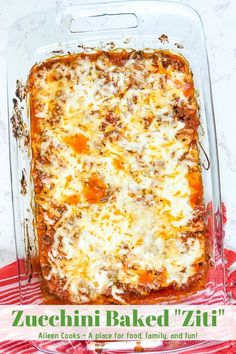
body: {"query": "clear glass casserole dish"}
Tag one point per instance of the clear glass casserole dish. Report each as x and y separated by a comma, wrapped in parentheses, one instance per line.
(73, 28)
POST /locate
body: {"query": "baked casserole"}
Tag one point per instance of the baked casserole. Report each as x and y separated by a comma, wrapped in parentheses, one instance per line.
(118, 196)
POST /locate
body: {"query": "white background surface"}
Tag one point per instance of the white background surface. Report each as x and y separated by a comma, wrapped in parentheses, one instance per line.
(219, 18)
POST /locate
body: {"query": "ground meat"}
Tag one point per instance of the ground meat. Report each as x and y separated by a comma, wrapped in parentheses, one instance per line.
(18, 126)
(186, 115)
(176, 63)
(20, 90)
(164, 38)
(23, 183)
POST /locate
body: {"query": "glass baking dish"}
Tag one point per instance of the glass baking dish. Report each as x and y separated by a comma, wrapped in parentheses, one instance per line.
(73, 27)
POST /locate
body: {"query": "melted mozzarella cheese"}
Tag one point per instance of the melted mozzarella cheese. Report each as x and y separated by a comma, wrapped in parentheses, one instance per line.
(142, 207)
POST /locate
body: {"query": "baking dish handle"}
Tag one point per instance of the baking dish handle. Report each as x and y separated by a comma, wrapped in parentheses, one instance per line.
(82, 18)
